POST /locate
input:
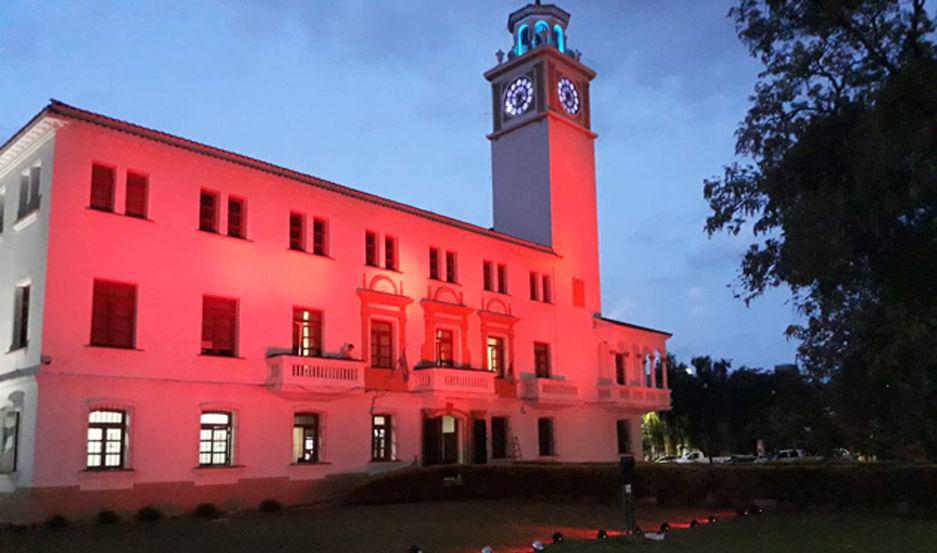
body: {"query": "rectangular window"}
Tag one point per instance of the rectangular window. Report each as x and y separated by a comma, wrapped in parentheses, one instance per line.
(21, 317)
(137, 191)
(487, 277)
(307, 332)
(434, 263)
(390, 252)
(215, 439)
(382, 344)
(237, 218)
(9, 440)
(370, 249)
(496, 355)
(29, 192)
(208, 211)
(547, 291)
(502, 278)
(620, 369)
(381, 438)
(534, 286)
(297, 231)
(452, 267)
(113, 314)
(545, 437)
(499, 437)
(306, 438)
(624, 437)
(444, 347)
(107, 431)
(542, 360)
(103, 180)
(219, 326)
(320, 237)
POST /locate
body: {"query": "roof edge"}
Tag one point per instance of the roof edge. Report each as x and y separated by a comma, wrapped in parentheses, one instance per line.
(634, 326)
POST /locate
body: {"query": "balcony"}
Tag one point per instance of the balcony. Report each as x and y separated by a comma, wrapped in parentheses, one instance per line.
(550, 392)
(651, 399)
(316, 374)
(453, 381)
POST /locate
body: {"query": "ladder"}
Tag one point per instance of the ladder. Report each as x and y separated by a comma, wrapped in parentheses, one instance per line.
(516, 449)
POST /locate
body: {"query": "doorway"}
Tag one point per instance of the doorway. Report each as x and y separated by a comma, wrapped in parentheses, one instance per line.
(479, 442)
(441, 440)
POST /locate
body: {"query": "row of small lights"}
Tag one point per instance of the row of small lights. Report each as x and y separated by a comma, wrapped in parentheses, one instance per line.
(602, 535)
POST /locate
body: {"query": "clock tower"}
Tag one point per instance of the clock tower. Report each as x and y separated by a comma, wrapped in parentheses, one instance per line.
(542, 145)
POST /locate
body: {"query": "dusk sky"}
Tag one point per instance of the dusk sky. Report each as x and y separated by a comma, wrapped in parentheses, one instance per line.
(388, 97)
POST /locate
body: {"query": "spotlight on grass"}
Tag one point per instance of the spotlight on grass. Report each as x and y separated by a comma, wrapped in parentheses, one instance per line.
(558, 537)
(756, 510)
(664, 527)
(743, 511)
(414, 549)
(487, 549)
(694, 523)
(712, 519)
(537, 545)
(601, 535)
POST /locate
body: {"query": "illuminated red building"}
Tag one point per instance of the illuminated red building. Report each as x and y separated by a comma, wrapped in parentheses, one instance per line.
(189, 324)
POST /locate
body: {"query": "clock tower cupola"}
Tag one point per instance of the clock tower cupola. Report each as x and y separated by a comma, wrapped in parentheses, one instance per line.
(542, 144)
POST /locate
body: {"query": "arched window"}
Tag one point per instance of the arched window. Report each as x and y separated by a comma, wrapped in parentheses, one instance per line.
(523, 39)
(559, 39)
(541, 33)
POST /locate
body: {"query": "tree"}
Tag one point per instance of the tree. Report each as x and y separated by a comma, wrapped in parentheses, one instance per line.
(837, 181)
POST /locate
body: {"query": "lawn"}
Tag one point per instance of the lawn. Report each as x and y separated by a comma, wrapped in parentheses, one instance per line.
(509, 526)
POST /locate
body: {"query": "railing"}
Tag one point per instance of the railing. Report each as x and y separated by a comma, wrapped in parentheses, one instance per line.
(322, 374)
(442, 379)
(547, 390)
(616, 394)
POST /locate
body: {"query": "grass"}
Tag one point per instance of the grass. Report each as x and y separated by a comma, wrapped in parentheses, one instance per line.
(509, 526)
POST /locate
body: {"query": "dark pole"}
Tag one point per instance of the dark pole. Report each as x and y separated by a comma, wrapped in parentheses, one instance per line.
(626, 472)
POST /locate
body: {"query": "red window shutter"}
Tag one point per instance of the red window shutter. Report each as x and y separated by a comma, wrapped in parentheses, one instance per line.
(370, 249)
(236, 218)
(319, 236)
(219, 326)
(297, 225)
(486, 274)
(136, 195)
(102, 187)
(534, 282)
(113, 314)
(434, 263)
(207, 212)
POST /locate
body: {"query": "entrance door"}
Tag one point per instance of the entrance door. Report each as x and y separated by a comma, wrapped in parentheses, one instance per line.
(450, 440)
(479, 442)
(432, 441)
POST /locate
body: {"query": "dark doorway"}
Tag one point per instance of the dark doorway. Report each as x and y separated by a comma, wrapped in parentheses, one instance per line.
(479, 442)
(450, 440)
(440, 440)
(499, 437)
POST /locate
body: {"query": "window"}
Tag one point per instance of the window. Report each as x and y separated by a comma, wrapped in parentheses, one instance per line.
(297, 231)
(620, 369)
(390, 252)
(534, 286)
(496, 355)
(545, 437)
(452, 268)
(444, 347)
(502, 278)
(208, 211)
(486, 277)
(382, 348)
(381, 438)
(547, 292)
(137, 190)
(370, 249)
(624, 437)
(542, 360)
(107, 431)
(113, 314)
(9, 440)
(307, 332)
(306, 438)
(236, 218)
(320, 237)
(434, 263)
(102, 187)
(219, 326)
(214, 448)
(499, 437)
(21, 317)
(29, 192)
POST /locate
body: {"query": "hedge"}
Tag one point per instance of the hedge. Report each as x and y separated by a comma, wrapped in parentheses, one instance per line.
(862, 485)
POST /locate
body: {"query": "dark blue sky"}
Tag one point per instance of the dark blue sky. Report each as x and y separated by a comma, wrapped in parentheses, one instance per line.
(389, 97)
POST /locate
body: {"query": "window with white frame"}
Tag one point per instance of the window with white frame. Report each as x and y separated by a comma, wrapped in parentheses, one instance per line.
(306, 438)
(9, 439)
(107, 437)
(215, 439)
(29, 191)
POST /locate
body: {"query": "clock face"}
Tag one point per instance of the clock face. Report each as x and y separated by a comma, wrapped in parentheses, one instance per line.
(569, 96)
(519, 97)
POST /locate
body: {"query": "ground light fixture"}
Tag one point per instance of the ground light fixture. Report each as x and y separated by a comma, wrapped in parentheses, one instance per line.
(756, 510)
(537, 545)
(487, 549)
(601, 535)
(558, 537)
(664, 527)
(694, 523)
(414, 549)
(743, 511)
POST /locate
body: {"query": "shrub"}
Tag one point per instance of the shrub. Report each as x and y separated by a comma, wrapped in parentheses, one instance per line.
(149, 514)
(270, 506)
(206, 510)
(56, 521)
(106, 517)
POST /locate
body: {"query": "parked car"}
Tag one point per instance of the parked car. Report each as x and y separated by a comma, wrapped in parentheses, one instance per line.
(666, 459)
(692, 456)
(794, 456)
(741, 459)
